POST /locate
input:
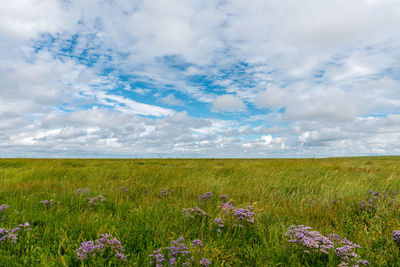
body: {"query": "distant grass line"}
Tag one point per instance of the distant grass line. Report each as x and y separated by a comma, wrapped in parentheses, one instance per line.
(322, 193)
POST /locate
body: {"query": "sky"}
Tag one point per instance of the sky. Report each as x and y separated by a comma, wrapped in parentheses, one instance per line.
(199, 79)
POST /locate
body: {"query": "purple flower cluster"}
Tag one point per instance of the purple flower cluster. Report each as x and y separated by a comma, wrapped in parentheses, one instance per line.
(179, 252)
(194, 212)
(227, 207)
(12, 234)
(106, 243)
(371, 200)
(205, 198)
(220, 224)
(3, 207)
(47, 203)
(310, 241)
(80, 190)
(245, 214)
(93, 201)
(313, 242)
(205, 262)
(123, 188)
(224, 198)
(346, 251)
(239, 215)
(197, 243)
(158, 258)
(165, 192)
(396, 236)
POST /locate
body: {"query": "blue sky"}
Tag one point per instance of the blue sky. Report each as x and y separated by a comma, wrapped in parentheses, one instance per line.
(199, 79)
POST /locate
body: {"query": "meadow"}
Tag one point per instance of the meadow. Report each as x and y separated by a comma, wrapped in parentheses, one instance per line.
(146, 204)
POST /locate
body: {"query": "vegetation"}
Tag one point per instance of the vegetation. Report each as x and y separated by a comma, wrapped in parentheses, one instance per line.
(140, 202)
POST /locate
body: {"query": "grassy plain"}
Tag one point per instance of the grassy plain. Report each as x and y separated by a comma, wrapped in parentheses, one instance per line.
(322, 193)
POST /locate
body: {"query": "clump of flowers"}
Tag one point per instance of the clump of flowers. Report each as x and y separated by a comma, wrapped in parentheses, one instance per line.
(157, 257)
(180, 252)
(123, 188)
(47, 203)
(194, 212)
(165, 192)
(82, 191)
(396, 236)
(374, 198)
(4, 207)
(2, 210)
(232, 216)
(94, 201)
(205, 262)
(371, 200)
(313, 242)
(104, 246)
(228, 207)
(197, 243)
(205, 198)
(224, 198)
(240, 216)
(12, 234)
(219, 223)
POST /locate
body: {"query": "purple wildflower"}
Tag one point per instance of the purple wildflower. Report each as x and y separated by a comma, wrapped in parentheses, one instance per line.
(224, 197)
(227, 207)
(205, 262)
(12, 234)
(47, 203)
(179, 253)
(4, 207)
(220, 224)
(206, 197)
(362, 262)
(158, 257)
(178, 248)
(123, 188)
(86, 249)
(311, 241)
(105, 242)
(396, 236)
(79, 191)
(93, 201)
(197, 243)
(120, 256)
(244, 214)
(335, 237)
(194, 212)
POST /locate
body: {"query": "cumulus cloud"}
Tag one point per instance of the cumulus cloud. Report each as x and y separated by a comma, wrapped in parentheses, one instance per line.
(228, 103)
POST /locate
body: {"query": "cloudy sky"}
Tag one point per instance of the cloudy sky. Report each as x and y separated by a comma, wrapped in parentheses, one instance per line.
(210, 78)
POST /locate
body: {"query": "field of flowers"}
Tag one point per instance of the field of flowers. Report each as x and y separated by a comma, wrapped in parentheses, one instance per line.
(205, 212)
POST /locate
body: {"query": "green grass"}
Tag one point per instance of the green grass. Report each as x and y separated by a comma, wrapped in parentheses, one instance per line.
(281, 191)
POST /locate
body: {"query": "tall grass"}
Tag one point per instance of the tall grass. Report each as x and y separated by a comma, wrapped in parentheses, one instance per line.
(322, 193)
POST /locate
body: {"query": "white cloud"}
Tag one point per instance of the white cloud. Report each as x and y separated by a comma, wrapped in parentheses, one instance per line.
(171, 100)
(63, 64)
(273, 97)
(228, 103)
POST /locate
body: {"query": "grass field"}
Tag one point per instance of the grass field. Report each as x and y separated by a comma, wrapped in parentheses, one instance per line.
(326, 194)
